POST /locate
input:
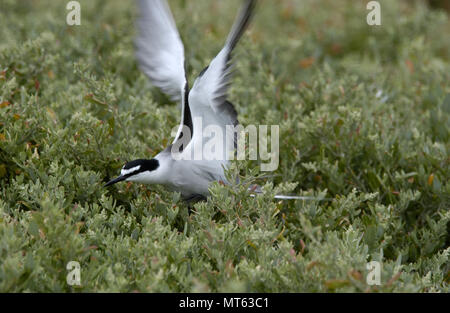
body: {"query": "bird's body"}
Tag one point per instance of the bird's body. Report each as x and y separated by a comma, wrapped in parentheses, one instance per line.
(189, 177)
(185, 165)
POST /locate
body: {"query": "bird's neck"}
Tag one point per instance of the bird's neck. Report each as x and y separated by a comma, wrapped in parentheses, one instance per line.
(161, 173)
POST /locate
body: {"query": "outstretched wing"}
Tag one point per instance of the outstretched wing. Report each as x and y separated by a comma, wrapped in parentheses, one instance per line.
(207, 98)
(159, 48)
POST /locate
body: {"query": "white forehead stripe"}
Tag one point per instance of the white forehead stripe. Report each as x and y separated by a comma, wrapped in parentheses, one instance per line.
(130, 170)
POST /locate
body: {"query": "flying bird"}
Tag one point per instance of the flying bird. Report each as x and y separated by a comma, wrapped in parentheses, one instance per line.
(184, 165)
(160, 54)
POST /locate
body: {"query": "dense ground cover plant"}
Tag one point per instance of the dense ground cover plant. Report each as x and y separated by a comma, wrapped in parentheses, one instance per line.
(364, 120)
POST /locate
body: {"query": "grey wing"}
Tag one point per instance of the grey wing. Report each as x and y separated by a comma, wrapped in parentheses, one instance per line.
(212, 84)
(159, 48)
(207, 98)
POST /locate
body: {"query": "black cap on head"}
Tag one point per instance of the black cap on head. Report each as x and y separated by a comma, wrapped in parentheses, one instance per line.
(135, 167)
(144, 165)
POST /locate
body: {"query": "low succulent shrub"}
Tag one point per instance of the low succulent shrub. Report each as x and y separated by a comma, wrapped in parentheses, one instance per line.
(364, 125)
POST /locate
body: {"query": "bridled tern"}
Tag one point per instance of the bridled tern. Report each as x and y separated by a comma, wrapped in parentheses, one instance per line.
(160, 54)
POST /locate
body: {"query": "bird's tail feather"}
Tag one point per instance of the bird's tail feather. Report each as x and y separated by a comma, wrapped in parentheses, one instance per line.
(255, 190)
(294, 197)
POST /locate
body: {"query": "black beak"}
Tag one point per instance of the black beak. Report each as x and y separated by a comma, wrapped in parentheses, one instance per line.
(115, 180)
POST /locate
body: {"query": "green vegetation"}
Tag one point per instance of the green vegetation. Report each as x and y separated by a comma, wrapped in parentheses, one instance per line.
(364, 120)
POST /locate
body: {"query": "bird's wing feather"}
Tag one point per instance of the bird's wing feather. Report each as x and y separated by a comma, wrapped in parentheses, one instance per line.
(212, 84)
(207, 98)
(159, 48)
